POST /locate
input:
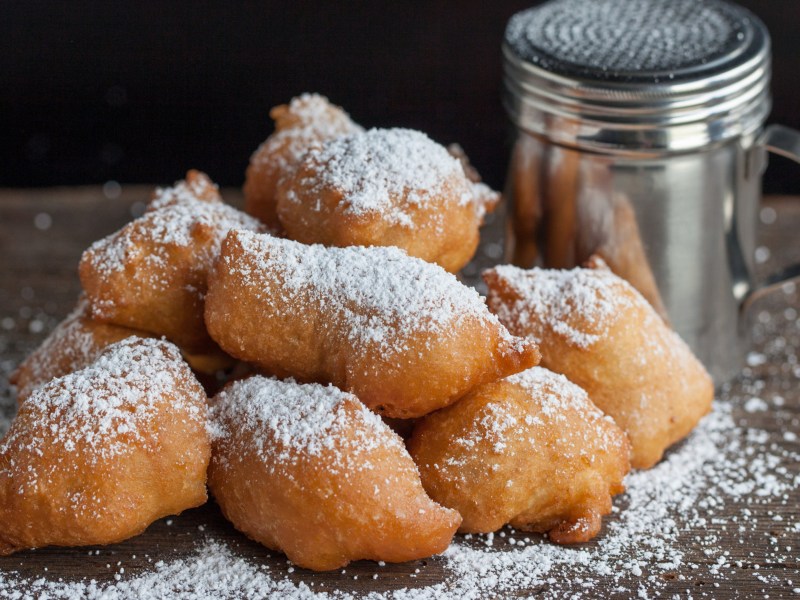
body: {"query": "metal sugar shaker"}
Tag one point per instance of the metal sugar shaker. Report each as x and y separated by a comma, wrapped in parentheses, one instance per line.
(640, 139)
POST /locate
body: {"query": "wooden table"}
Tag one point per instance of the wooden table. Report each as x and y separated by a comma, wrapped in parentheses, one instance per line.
(43, 232)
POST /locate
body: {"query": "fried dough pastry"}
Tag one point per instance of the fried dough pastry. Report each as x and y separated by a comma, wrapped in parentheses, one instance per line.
(306, 121)
(75, 343)
(151, 274)
(403, 335)
(310, 471)
(384, 187)
(530, 450)
(78, 340)
(596, 329)
(96, 456)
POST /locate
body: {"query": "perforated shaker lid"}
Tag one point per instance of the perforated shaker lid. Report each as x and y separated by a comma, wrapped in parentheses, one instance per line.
(637, 74)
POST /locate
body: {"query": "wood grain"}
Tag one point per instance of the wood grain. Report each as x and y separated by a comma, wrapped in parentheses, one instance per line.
(38, 285)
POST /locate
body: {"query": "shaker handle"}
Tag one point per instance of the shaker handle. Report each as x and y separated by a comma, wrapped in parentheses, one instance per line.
(784, 141)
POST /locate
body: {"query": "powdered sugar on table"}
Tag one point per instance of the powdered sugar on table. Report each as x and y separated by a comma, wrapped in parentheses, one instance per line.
(720, 467)
(716, 496)
(720, 510)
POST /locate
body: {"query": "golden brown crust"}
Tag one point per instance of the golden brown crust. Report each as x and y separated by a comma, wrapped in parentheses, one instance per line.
(593, 327)
(403, 335)
(385, 187)
(530, 450)
(309, 471)
(74, 344)
(78, 340)
(151, 275)
(96, 456)
(307, 120)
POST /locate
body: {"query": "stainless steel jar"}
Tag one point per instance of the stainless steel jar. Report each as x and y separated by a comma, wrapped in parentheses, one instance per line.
(640, 139)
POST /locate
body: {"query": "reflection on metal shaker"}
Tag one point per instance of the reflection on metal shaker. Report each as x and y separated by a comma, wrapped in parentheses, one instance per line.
(640, 139)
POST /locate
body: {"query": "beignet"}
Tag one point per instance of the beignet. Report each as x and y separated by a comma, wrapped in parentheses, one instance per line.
(403, 335)
(310, 471)
(151, 274)
(384, 187)
(596, 329)
(530, 450)
(98, 455)
(306, 121)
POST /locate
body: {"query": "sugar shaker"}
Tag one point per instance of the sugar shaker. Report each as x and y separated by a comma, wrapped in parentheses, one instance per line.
(640, 138)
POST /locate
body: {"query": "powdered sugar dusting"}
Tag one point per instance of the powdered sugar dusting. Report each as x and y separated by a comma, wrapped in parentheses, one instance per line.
(197, 187)
(385, 171)
(578, 304)
(721, 469)
(383, 297)
(308, 109)
(555, 392)
(177, 219)
(554, 402)
(74, 344)
(308, 120)
(287, 419)
(98, 412)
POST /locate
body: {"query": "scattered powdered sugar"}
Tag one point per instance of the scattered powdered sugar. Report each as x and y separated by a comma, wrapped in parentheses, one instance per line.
(382, 296)
(578, 304)
(755, 405)
(722, 469)
(710, 474)
(386, 171)
(285, 419)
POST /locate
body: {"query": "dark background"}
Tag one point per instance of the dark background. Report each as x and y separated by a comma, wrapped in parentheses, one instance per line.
(139, 92)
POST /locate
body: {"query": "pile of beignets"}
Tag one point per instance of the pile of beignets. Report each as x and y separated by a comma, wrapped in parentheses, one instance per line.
(326, 321)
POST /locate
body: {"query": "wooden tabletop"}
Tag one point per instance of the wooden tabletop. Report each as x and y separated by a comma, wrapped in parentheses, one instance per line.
(756, 532)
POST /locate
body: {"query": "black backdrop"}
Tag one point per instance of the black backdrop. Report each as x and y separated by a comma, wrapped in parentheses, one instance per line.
(141, 91)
